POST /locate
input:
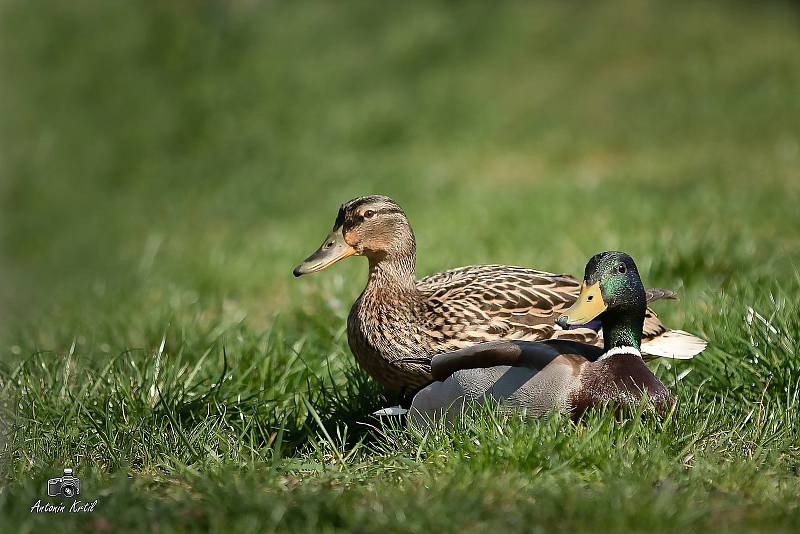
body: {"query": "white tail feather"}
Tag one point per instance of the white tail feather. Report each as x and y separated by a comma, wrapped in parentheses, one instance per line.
(675, 344)
(392, 411)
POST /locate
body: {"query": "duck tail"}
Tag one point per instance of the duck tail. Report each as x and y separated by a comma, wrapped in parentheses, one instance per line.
(391, 411)
(656, 293)
(675, 344)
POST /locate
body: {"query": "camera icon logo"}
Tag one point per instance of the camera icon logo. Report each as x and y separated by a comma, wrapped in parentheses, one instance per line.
(66, 485)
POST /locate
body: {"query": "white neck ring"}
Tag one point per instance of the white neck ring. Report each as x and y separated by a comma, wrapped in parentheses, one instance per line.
(621, 350)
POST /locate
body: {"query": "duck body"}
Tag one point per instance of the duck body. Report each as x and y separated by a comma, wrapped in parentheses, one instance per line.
(391, 322)
(568, 376)
(398, 318)
(571, 383)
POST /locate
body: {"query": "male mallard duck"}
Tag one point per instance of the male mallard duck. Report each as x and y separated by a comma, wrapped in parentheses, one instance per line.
(398, 316)
(566, 375)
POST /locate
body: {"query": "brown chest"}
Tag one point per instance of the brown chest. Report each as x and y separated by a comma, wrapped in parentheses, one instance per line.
(380, 337)
(621, 380)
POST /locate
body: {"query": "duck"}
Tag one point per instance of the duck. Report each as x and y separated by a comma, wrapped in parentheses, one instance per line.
(398, 316)
(562, 375)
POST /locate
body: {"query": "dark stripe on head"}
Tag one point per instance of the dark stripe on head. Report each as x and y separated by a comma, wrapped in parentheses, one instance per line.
(339, 222)
(369, 199)
(347, 210)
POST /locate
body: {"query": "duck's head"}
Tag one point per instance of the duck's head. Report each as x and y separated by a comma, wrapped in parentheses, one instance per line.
(373, 226)
(611, 290)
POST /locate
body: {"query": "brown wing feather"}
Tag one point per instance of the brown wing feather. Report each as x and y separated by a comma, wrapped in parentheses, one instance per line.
(652, 325)
(459, 308)
(489, 302)
(656, 293)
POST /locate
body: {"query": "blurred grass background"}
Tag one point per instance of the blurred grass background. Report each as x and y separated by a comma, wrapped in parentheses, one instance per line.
(164, 165)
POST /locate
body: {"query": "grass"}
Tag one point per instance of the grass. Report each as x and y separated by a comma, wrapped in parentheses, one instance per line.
(165, 165)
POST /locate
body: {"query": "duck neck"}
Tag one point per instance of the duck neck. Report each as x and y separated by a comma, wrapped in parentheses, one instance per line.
(622, 330)
(392, 269)
(393, 273)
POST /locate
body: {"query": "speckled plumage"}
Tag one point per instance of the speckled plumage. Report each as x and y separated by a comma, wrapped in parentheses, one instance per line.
(398, 317)
(455, 309)
(536, 377)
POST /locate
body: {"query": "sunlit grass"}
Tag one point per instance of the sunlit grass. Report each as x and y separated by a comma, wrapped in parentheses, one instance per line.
(164, 167)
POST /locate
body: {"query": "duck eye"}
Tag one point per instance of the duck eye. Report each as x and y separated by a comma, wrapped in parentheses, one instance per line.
(622, 269)
(368, 214)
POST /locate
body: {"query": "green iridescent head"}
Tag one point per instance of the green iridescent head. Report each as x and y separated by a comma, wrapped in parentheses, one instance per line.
(613, 291)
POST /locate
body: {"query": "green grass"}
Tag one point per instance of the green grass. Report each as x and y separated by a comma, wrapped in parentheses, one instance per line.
(165, 165)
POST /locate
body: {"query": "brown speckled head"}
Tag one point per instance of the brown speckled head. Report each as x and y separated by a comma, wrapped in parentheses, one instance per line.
(374, 226)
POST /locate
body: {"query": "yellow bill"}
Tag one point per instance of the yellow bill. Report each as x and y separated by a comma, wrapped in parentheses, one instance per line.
(589, 305)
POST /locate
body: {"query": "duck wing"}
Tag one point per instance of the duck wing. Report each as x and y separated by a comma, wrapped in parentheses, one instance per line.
(482, 303)
(533, 376)
(489, 302)
(531, 354)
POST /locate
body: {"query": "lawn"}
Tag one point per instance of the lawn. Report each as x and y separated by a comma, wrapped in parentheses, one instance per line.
(165, 165)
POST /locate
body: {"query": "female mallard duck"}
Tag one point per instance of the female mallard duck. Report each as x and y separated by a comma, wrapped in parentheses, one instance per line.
(569, 376)
(398, 316)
